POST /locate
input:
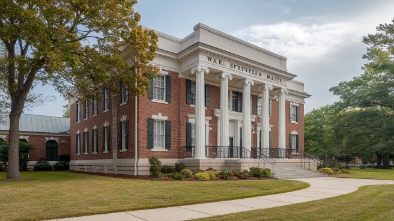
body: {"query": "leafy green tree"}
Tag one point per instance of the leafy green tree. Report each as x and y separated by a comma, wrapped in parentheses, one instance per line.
(23, 154)
(66, 110)
(79, 46)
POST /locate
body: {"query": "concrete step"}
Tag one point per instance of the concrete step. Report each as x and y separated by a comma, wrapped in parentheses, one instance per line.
(293, 172)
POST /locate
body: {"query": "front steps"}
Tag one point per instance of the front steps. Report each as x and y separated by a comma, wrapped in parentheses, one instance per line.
(294, 169)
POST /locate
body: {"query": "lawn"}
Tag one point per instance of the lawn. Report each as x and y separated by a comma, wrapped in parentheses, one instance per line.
(369, 173)
(49, 195)
(367, 203)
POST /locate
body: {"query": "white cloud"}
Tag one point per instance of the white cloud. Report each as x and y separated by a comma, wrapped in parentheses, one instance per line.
(300, 40)
(276, 4)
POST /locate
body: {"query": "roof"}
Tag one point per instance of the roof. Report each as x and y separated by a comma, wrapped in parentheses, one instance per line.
(40, 124)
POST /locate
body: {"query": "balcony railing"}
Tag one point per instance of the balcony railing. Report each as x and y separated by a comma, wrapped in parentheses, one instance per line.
(218, 152)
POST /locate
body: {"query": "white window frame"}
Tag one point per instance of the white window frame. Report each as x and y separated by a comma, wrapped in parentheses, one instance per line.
(159, 88)
(123, 120)
(94, 107)
(78, 141)
(193, 92)
(293, 113)
(86, 116)
(259, 106)
(270, 107)
(78, 112)
(293, 142)
(159, 134)
(95, 139)
(106, 136)
(106, 99)
(86, 141)
(125, 94)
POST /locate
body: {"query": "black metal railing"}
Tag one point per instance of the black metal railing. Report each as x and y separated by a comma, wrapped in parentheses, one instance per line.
(313, 159)
(218, 152)
(257, 153)
(279, 153)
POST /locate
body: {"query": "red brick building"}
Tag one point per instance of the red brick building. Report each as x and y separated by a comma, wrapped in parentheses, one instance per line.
(218, 102)
(49, 137)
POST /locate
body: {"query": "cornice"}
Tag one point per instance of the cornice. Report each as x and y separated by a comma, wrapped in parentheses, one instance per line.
(237, 40)
(298, 93)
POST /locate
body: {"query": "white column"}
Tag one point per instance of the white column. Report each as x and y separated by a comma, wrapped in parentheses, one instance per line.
(281, 119)
(265, 123)
(246, 124)
(200, 111)
(224, 124)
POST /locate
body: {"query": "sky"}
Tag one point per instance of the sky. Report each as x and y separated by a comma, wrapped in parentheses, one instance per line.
(322, 39)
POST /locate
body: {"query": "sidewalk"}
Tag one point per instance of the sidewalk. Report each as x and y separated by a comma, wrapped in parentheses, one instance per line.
(320, 188)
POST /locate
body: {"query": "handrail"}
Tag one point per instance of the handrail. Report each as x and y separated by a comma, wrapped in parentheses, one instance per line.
(264, 157)
(313, 159)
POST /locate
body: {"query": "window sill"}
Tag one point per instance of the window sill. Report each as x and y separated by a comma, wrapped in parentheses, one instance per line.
(106, 151)
(159, 150)
(123, 150)
(159, 101)
(94, 115)
(104, 111)
(78, 154)
(85, 153)
(94, 153)
(85, 119)
(123, 103)
(294, 122)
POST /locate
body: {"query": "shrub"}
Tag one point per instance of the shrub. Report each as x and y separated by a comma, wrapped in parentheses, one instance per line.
(64, 158)
(187, 173)
(212, 174)
(61, 165)
(155, 167)
(256, 172)
(210, 169)
(178, 176)
(244, 174)
(267, 172)
(23, 154)
(327, 170)
(236, 173)
(179, 166)
(42, 165)
(226, 174)
(204, 176)
(199, 171)
(167, 169)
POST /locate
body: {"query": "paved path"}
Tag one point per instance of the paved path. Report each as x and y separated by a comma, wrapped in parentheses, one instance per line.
(320, 188)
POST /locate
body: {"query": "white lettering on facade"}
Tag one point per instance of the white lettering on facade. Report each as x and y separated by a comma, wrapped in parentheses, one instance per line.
(243, 69)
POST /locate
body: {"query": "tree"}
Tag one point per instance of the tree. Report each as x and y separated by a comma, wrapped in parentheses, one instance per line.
(77, 46)
(23, 154)
(66, 110)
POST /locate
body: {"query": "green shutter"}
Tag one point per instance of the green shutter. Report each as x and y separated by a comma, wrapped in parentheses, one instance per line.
(103, 139)
(92, 140)
(207, 95)
(168, 88)
(150, 90)
(127, 133)
(120, 135)
(76, 112)
(168, 134)
(150, 133)
(290, 142)
(270, 140)
(109, 138)
(296, 113)
(297, 142)
(76, 143)
(188, 134)
(188, 91)
(103, 97)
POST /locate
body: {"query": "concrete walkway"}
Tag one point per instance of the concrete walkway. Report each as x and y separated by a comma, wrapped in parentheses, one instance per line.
(320, 188)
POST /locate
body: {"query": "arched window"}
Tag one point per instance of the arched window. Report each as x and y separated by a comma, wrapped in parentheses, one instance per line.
(51, 150)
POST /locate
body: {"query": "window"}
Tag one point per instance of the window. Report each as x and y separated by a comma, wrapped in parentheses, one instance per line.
(106, 139)
(294, 143)
(251, 104)
(293, 113)
(191, 93)
(124, 134)
(78, 144)
(51, 150)
(160, 88)
(159, 134)
(124, 93)
(270, 107)
(85, 141)
(106, 99)
(94, 139)
(86, 110)
(190, 134)
(94, 107)
(270, 139)
(78, 112)
(237, 101)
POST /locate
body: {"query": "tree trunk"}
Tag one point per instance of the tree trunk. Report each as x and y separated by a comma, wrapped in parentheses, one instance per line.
(386, 161)
(378, 160)
(13, 148)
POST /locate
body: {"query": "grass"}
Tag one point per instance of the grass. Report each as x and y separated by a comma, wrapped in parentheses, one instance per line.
(369, 173)
(49, 195)
(367, 203)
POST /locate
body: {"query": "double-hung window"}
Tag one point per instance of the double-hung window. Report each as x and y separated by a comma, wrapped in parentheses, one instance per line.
(106, 99)
(106, 138)
(85, 141)
(124, 134)
(159, 88)
(259, 106)
(237, 101)
(294, 143)
(78, 112)
(94, 106)
(86, 111)
(191, 93)
(159, 134)
(270, 107)
(94, 139)
(78, 144)
(293, 113)
(124, 93)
